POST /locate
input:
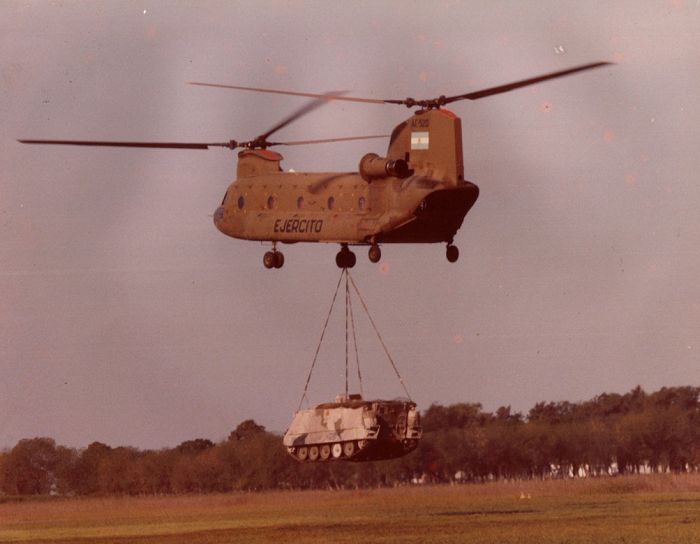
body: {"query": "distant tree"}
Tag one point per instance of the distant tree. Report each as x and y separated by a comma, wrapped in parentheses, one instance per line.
(204, 472)
(35, 466)
(460, 442)
(449, 417)
(538, 442)
(506, 457)
(258, 458)
(3, 457)
(551, 412)
(634, 401)
(155, 471)
(118, 472)
(191, 447)
(85, 474)
(684, 398)
(246, 429)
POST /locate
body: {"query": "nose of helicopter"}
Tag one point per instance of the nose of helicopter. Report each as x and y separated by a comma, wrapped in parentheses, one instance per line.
(218, 217)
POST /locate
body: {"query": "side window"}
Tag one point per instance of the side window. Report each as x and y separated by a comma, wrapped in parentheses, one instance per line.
(300, 203)
(270, 202)
(361, 203)
(331, 202)
(241, 202)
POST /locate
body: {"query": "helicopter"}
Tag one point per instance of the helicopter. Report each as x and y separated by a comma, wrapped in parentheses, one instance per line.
(416, 193)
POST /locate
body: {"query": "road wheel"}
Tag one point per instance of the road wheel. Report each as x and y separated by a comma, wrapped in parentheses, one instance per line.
(348, 449)
(337, 451)
(302, 453)
(374, 253)
(279, 259)
(313, 453)
(269, 259)
(325, 452)
(409, 444)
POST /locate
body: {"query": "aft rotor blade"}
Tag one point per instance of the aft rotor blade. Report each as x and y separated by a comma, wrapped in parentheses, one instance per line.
(158, 145)
(330, 140)
(327, 96)
(522, 83)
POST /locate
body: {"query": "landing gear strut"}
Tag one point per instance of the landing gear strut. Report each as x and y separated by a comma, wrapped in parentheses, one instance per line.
(374, 253)
(452, 253)
(274, 258)
(345, 258)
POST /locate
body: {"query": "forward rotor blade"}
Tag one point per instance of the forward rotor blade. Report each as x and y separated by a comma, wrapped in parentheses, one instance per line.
(523, 83)
(329, 140)
(300, 113)
(327, 96)
(158, 145)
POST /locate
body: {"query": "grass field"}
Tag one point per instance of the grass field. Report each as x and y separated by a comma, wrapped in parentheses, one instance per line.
(643, 509)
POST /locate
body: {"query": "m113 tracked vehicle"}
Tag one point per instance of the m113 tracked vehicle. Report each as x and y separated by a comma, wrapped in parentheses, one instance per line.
(354, 429)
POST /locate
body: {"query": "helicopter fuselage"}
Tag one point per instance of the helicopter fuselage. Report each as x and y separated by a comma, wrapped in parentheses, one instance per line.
(343, 208)
(417, 194)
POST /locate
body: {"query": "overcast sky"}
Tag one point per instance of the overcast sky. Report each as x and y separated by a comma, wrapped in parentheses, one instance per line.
(126, 317)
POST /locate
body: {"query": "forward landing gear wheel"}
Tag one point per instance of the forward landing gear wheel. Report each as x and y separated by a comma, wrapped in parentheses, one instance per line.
(273, 259)
(325, 452)
(452, 253)
(269, 259)
(337, 451)
(345, 258)
(374, 253)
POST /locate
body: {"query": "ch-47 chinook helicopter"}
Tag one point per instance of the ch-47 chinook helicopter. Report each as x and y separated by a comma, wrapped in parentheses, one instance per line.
(417, 193)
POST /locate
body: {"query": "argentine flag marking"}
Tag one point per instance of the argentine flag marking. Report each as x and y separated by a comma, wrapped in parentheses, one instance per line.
(420, 140)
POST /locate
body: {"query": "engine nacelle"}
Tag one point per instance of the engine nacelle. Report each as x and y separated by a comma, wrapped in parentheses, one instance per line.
(372, 166)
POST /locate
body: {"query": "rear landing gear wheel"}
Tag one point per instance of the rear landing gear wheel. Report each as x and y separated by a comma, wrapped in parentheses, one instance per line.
(345, 258)
(374, 253)
(279, 259)
(452, 253)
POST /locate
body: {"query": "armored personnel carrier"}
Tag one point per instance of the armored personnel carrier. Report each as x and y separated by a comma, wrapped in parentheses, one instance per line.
(354, 429)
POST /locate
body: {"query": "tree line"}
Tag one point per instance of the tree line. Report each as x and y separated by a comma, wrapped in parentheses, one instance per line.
(607, 435)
